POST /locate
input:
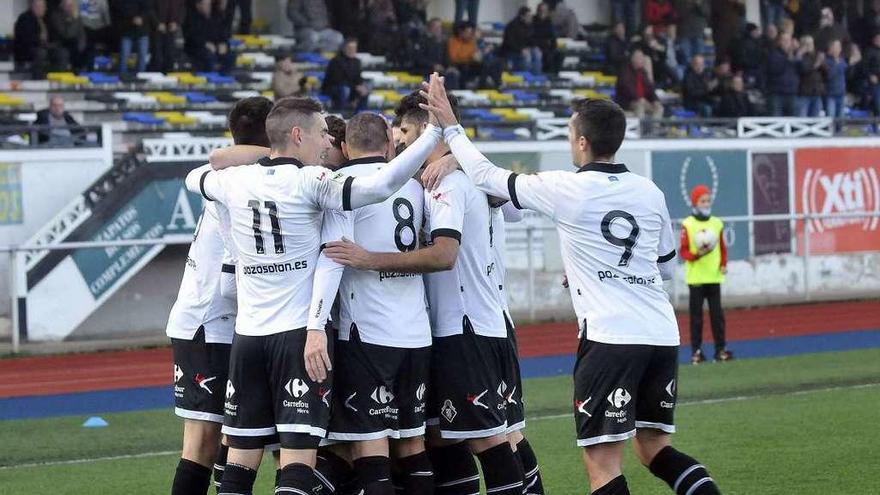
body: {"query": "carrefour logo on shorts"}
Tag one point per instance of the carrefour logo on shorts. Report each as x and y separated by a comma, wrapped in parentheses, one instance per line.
(619, 398)
(296, 388)
(382, 395)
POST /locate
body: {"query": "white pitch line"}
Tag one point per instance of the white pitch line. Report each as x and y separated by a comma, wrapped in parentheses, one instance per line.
(536, 418)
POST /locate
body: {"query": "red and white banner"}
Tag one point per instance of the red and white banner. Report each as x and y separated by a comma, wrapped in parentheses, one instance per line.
(839, 180)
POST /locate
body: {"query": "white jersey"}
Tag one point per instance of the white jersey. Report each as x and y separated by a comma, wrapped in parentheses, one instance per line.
(203, 298)
(387, 307)
(457, 209)
(614, 229)
(275, 209)
(498, 239)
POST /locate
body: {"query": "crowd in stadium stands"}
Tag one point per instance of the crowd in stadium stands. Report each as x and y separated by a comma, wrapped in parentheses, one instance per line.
(811, 55)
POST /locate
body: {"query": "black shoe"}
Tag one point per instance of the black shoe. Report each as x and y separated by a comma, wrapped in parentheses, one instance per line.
(723, 356)
(697, 357)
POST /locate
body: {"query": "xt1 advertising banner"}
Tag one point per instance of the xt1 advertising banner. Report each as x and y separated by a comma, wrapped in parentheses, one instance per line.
(770, 195)
(724, 172)
(839, 180)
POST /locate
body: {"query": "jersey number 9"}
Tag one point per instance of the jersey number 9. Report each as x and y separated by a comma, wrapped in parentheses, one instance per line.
(629, 242)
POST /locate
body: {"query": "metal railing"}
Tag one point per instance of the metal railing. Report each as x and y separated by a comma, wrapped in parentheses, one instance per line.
(45, 136)
(533, 228)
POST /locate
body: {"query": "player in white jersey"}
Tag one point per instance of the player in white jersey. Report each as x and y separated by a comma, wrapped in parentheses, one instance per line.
(201, 325)
(279, 378)
(383, 352)
(471, 353)
(617, 245)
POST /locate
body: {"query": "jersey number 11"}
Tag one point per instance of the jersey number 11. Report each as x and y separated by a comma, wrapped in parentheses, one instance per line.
(273, 220)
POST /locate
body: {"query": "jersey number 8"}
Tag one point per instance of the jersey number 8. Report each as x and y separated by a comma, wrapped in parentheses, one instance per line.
(273, 220)
(629, 242)
(404, 222)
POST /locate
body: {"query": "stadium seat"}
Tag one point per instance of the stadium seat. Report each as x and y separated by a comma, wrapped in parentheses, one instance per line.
(216, 78)
(176, 118)
(142, 118)
(135, 98)
(101, 77)
(167, 98)
(196, 97)
(188, 78)
(10, 101)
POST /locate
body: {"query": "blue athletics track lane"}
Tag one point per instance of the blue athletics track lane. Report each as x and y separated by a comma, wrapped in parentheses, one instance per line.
(35, 387)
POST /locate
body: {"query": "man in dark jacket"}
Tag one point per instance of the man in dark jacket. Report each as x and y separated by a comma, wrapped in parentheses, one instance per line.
(67, 32)
(311, 25)
(697, 87)
(169, 22)
(62, 126)
(616, 49)
(431, 54)
(783, 78)
(518, 44)
(134, 20)
(872, 69)
(735, 101)
(830, 30)
(343, 82)
(750, 57)
(206, 38)
(635, 90)
(31, 45)
(727, 21)
(693, 19)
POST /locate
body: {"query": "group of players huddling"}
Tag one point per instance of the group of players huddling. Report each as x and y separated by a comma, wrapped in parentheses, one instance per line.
(361, 271)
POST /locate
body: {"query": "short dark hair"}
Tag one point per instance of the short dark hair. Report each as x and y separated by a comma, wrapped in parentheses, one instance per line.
(290, 112)
(367, 131)
(409, 108)
(336, 129)
(602, 122)
(247, 121)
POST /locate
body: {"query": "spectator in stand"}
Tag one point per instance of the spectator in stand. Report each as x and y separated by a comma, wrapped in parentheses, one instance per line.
(431, 54)
(343, 82)
(865, 26)
(133, 18)
(379, 27)
(286, 79)
(660, 65)
(783, 78)
(245, 14)
(519, 45)
(735, 101)
(206, 38)
(693, 19)
(835, 88)
(31, 43)
(62, 126)
(812, 73)
(412, 13)
(471, 6)
(872, 69)
(311, 26)
(659, 14)
(545, 38)
(635, 89)
(857, 82)
(772, 12)
(464, 54)
(769, 41)
(749, 56)
(169, 22)
(565, 21)
(698, 87)
(829, 30)
(95, 15)
(626, 11)
(807, 17)
(616, 49)
(722, 72)
(67, 32)
(727, 21)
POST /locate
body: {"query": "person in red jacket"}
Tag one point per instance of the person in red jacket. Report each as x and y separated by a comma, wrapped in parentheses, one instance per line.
(705, 254)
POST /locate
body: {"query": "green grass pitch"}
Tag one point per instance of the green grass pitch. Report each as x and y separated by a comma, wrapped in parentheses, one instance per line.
(795, 425)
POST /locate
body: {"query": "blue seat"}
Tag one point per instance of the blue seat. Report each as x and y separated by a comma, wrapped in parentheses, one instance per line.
(196, 97)
(684, 114)
(101, 78)
(498, 134)
(216, 78)
(103, 63)
(142, 118)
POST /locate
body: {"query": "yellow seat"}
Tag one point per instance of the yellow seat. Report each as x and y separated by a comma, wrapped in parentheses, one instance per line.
(188, 78)
(59, 76)
(508, 78)
(268, 94)
(176, 118)
(470, 132)
(167, 98)
(244, 60)
(510, 114)
(604, 80)
(10, 101)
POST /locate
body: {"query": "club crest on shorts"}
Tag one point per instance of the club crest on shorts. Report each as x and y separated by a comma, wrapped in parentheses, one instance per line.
(619, 398)
(448, 411)
(296, 388)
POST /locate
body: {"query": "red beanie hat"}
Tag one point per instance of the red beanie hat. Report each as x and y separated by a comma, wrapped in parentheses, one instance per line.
(697, 192)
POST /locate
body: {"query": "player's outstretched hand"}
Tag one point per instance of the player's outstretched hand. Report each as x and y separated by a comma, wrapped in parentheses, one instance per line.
(350, 254)
(316, 357)
(438, 102)
(436, 171)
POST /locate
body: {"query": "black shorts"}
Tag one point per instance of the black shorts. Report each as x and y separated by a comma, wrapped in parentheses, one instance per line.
(468, 396)
(516, 412)
(200, 373)
(379, 391)
(619, 388)
(269, 391)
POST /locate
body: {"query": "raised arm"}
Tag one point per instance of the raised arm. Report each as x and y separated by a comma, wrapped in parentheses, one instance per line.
(378, 187)
(438, 257)
(203, 181)
(237, 154)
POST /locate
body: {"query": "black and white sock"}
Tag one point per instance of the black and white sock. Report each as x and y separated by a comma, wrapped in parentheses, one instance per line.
(374, 475)
(455, 471)
(502, 471)
(191, 478)
(220, 465)
(332, 471)
(237, 480)
(617, 486)
(417, 475)
(533, 483)
(684, 474)
(297, 479)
